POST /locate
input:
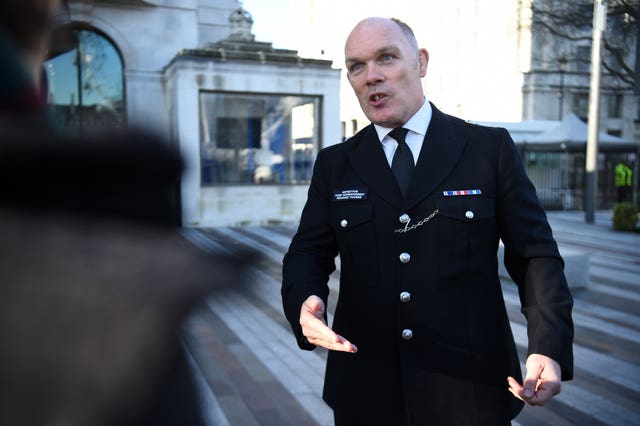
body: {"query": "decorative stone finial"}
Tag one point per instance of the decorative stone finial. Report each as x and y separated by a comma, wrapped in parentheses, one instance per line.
(241, 23)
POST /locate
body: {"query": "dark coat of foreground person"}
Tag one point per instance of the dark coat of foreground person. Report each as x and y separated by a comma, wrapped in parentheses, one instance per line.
(95, 281)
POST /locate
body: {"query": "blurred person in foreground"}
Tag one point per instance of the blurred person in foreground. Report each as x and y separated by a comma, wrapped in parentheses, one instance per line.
(94, 278)
(420, 334)
(25, 27)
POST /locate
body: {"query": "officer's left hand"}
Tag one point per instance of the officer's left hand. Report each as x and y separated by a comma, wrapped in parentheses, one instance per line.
(541, 383)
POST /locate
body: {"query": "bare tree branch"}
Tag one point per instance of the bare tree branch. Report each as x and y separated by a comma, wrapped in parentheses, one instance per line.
(572, 21)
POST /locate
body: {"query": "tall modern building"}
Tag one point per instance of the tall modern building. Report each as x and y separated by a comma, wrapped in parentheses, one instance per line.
(247, 118)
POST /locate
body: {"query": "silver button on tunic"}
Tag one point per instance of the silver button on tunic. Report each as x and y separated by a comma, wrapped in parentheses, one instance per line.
(407, 334)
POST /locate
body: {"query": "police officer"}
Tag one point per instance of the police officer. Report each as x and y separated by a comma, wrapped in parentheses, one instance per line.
(415, 205)
(623, 182)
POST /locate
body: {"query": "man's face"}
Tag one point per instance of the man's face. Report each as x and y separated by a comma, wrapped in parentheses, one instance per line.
(385, 71)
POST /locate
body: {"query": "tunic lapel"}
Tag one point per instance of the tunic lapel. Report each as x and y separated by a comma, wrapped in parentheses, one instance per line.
(439, 154)
(369, 162)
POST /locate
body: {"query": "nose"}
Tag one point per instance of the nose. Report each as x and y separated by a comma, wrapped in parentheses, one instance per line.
(374, 75)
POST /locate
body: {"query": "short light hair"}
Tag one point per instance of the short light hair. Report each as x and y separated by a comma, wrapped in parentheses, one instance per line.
(408, 32)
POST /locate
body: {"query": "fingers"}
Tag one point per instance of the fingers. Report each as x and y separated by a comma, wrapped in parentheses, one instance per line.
(522, 392)
(315, 328)
(541, 383)
(532, 380)
(543, 393)
(332, 341)
(515, 388)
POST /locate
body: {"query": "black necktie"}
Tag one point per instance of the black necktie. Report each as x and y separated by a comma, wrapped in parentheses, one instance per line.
(402, 164)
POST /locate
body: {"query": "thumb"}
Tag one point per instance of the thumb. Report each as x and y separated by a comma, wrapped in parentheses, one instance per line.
(315, 305)
(530, 382)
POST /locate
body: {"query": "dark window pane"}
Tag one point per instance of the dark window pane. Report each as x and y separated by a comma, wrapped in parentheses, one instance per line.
(583, 59)
(581, 105)
(615, 105)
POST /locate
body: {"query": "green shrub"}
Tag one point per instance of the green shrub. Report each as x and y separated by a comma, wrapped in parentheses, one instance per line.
(625, 216)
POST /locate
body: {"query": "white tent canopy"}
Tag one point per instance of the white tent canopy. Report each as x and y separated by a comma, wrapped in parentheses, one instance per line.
(573, 131)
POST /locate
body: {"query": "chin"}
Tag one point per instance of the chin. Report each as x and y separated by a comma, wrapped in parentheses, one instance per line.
(380, 119)
(389, 123)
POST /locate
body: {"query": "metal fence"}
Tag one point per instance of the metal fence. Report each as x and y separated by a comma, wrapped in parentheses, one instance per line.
(559, 177)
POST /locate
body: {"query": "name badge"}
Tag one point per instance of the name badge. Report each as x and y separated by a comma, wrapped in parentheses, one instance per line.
(350, 194)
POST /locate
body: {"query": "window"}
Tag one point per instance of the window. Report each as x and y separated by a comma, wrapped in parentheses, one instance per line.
(580, 105)
(583, 59)
(85, 82)
(249, 138)
(615, 105)
(584, 12)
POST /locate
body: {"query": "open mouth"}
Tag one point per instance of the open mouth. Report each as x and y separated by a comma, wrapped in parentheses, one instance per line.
(377, 97)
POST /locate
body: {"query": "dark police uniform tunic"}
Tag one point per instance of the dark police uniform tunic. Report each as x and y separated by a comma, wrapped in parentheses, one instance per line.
(419, 289)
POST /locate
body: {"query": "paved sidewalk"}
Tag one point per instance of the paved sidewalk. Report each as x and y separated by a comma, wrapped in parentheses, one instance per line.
(251, 372)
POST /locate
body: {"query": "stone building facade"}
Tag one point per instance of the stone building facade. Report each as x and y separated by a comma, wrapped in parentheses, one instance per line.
(247, 118)
(558, 79)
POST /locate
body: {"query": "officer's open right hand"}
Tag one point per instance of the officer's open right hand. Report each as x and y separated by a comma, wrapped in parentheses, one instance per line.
(315, 328)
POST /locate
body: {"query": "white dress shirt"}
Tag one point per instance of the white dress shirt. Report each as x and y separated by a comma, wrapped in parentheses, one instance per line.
(417, 126)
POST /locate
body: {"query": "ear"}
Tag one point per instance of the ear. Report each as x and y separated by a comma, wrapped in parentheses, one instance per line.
(423, 60)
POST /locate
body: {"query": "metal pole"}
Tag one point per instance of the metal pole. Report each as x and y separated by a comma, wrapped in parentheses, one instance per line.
(561, 100)
(591, 172)
(562, 62)
(636, 86)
